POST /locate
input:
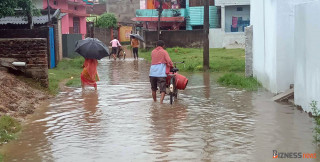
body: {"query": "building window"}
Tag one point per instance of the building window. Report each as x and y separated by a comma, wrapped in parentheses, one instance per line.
(55, 2)
(239, 9)
(75, 8)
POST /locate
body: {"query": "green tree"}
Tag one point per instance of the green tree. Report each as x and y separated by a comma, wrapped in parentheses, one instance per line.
(9, 7)
(107, 20)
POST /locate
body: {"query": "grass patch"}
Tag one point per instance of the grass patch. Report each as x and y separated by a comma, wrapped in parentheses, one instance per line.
(239, 81)
(229, 62)
(1, 158)
(67, 68)
(8, 128)
(221, 60)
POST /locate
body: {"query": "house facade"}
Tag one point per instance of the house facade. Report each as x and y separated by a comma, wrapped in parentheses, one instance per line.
(74, 19)
(172, 17)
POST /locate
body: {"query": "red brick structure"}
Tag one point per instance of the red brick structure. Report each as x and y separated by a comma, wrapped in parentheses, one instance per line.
(32, 51)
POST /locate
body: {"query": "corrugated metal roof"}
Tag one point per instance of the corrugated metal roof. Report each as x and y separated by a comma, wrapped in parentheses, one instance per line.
(23, 20)
(196, 16)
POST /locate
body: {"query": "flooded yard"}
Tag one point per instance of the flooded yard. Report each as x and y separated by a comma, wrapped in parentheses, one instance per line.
(120, 122)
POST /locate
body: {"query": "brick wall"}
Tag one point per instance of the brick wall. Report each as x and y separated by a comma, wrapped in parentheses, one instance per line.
(103, 34)
(24, 33)
(33, 51)
(191, 38)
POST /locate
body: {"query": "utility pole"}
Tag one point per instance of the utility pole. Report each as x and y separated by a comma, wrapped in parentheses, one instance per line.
(160, 9)
(206, 37)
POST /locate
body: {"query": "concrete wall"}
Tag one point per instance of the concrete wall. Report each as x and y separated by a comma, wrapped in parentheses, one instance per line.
(103, 34)
(248, 48)
(33, 51)
(124, 10)
(221, 39)
(231, 2)
(306, 46)
(273, 26)
(173, 38)
(231, 11)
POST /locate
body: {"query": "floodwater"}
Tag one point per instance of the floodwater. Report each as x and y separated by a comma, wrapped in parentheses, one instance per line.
(120, 122)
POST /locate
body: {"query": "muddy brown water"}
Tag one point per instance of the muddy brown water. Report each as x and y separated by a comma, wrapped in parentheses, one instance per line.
(120, 122)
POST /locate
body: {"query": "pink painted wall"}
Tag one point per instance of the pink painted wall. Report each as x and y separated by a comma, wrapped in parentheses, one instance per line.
(65, 24)
(67, 20)
(83, 26)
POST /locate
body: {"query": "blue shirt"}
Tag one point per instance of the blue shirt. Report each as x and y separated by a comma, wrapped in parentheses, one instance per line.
(158, 70)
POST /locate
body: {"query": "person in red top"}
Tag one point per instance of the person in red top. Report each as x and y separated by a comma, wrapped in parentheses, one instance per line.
(160, 67)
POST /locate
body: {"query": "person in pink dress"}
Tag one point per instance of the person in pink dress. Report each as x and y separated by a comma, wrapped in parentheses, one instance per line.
(115, 44)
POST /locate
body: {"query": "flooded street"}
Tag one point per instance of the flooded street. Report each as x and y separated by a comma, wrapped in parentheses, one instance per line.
(120, 122)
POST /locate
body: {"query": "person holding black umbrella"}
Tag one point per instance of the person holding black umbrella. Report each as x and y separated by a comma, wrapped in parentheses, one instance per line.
(89, 74)
(92, 50)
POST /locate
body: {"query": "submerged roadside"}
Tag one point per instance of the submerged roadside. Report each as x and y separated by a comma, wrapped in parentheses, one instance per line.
(21, 96)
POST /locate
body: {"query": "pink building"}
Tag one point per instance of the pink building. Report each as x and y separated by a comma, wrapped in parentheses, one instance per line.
(74, 22)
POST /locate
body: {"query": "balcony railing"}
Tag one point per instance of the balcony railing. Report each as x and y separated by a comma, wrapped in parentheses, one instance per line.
(165, 13)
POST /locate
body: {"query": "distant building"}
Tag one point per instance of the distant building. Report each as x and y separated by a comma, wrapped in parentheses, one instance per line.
(74, 21)
(235, 14)
(124, 10)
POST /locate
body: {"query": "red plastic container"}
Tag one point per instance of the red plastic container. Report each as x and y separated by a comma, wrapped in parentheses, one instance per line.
(181, 81)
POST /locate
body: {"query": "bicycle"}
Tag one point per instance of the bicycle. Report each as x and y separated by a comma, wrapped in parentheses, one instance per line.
(172, 84)
(121, 53)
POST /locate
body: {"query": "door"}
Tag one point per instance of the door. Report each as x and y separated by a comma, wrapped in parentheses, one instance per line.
(76, 25)
(52, 52)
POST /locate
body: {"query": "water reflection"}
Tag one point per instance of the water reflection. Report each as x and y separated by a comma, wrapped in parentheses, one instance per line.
(206, 83)
(166, 122)
(90, 103)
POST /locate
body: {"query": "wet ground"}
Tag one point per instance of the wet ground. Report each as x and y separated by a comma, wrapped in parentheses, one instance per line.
(120, 122)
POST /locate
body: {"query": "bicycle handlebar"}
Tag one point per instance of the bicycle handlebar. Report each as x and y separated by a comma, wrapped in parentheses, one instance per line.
(179, 62)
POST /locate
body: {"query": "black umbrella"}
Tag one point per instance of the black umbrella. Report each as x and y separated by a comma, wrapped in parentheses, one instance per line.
(137, 36)
(92, 48)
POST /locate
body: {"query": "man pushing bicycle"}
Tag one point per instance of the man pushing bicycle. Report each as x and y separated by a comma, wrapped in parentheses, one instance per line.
(160, 67)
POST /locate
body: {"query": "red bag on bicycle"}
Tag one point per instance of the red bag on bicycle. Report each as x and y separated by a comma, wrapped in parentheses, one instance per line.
(181, 81)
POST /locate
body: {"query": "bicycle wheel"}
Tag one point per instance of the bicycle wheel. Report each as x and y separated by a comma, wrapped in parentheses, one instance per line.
(171, 91)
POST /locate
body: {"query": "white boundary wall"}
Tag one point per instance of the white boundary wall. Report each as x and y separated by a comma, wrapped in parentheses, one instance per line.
(307, 55)
(274, 59)
(221, 39)
(273, 42)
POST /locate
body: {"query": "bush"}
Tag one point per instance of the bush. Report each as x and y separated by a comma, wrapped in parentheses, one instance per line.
(107, 20)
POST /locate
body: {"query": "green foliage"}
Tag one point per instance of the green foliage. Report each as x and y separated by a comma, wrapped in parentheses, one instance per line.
(239, 81)
(107, 20)
(8, 128)
(316, 115)
(66, 69)
(7, 8)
